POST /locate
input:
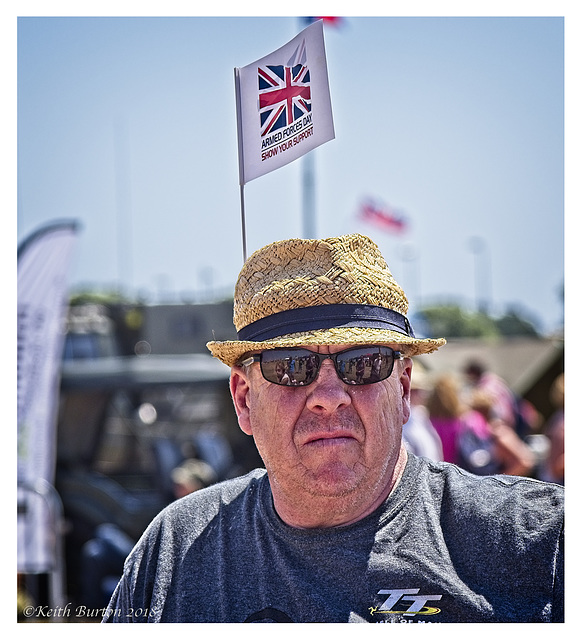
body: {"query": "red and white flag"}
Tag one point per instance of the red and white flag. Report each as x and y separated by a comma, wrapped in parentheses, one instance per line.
(283, 105)
(383, 217)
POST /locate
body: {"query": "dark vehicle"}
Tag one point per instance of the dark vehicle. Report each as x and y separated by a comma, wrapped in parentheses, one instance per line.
(125, 423)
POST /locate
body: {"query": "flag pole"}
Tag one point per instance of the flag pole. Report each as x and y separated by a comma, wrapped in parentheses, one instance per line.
(243, 220)
(241, 178)
(308, 175)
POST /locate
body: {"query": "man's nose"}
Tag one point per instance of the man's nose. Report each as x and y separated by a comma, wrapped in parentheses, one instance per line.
(327, 393)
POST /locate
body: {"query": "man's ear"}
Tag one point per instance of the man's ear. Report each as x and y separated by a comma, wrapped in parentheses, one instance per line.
(406, 385)
(240, 390)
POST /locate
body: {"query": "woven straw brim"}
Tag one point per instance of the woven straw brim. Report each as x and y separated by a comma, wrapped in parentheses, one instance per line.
(230, 352)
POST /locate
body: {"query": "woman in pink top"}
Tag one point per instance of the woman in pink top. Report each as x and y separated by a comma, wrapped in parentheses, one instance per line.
(446, 409)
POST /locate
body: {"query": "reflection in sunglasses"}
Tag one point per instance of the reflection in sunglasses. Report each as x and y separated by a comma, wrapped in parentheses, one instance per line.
(299, 367)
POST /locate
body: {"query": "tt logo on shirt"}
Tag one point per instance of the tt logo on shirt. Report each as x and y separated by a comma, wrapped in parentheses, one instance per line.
(407, 602)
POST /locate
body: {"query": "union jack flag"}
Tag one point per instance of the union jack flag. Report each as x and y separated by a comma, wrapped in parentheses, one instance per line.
(285, 92)
(284, 95)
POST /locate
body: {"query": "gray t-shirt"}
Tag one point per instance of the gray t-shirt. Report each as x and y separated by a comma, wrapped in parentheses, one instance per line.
(446, 546)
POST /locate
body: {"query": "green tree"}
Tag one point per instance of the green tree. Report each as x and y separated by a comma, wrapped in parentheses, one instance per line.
(513, 324)
(453, 321)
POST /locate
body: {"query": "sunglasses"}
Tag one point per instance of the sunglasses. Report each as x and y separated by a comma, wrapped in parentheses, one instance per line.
(299, 367)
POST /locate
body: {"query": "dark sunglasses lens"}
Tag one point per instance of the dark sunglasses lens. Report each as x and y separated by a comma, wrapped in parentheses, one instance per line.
(289, 367)
(365, 365)
(299, 367)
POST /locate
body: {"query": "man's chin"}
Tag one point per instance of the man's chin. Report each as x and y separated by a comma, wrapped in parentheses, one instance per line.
(332, 480)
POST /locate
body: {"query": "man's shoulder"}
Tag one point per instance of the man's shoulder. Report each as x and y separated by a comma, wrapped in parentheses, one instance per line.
(454, 475)
(223, 492)
(498, 495)
(197, 509)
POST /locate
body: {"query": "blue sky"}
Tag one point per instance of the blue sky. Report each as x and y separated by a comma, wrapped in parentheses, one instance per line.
(128, 125)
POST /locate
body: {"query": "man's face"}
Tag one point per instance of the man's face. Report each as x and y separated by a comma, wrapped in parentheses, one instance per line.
(327, 439)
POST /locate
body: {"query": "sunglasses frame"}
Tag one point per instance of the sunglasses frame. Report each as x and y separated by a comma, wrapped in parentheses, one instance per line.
(257, 357)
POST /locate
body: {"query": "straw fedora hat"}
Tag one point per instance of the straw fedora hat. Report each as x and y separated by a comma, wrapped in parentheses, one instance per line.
(319, 292)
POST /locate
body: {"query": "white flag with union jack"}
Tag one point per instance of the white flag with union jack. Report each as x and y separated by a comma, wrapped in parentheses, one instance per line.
(283, 105)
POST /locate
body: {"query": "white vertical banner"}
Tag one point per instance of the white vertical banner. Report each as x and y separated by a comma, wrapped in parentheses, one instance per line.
(283, 105)
(43, 264)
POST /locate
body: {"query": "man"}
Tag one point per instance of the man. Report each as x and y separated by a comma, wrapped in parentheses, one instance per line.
(343, 525)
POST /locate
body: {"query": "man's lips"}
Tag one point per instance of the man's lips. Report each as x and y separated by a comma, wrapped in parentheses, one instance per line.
(329, 437)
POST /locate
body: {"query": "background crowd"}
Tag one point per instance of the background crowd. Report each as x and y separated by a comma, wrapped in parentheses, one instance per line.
(473, 419)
